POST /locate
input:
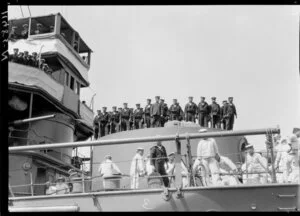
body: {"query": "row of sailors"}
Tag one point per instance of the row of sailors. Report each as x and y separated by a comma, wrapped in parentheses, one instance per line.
(30, 60)
(158, 113)
(39, 29)
(215, 169)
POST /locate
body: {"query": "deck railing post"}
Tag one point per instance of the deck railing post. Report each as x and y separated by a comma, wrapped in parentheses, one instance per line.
(31, 183)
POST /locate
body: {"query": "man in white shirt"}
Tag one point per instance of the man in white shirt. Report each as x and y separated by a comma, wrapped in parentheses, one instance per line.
(291, 162)
(207, 152)
(227, 167)
(61, 186)
(256, 165)
(50, 189)
(108, 168)
(137, 168)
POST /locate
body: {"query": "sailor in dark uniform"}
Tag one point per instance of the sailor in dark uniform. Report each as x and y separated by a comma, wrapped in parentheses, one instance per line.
(203, 113)
(158, 158)
(96, 124)
(215, 111)
(20, 59)
(175, 111)
(164, 112)
(34, 62)
(155, 113)
(138, 114)
(104, 117)
(230, 112)
(147, 118)
(222, 115)
(114, 120)
(39, 29)
(26, 58)
(14, 57)
(12, 34)
(125, 118)
(190, 110)
(24, 33)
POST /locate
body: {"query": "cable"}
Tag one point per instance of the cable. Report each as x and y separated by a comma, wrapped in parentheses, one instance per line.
(29, 10)
(21, 11)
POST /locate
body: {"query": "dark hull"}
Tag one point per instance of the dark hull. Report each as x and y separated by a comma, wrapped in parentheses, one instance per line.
(273, 197)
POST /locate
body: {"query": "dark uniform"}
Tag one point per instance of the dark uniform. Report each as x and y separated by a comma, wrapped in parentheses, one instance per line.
(203, 113)
(164, 112)
(158, 158)
(39, 29)
(14, 57)
(26, 58)
(104, 118)
(114, 121)
(12, 34)
(24, 33)
(230, 112)
(155, 113)
(222, 115)
(20, 59)
(96, 124)
(125, 118)
(175, 111)
(34, 61)
(215, 111)
(138, 114)
(190, 111)
(147, 118)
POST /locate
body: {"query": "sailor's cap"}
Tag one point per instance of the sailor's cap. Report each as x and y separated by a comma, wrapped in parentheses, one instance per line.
(26, 51)
(14, 27)
(104, 107)
(34, 53)
(114, 107)
(213, 98)
(125, 103)
(162, 99)
(25, 25)
(45, 65)
(202, 130)
(230, 98)
(21, 53)
(248, 146)
(174, 99)
(202, 97)
(191, 97)
(60, 178)
(172, 153)
(137, 104)
(157, 97)
(107, 157)
(98, 110)
(224, 101)
(16, 48)
(43, 60)
(120, 108)
(140, 149)
(148, 99)
(39, 24)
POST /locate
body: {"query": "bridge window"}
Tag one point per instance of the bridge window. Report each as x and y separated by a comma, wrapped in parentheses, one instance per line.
(42, 25)
(72, 83)
(66, 78)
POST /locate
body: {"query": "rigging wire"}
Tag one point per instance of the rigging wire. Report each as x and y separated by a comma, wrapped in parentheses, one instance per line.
(21, 11)
(29, 10)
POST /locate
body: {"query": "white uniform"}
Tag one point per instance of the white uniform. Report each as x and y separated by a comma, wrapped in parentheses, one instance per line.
(108, 168)
(281, 158)
(136, 170)
(171, 169)
(227, 166)
(149, 168)
(256, 163)
(62, 188)
(291, 164)
(51, 190)
(206, 152)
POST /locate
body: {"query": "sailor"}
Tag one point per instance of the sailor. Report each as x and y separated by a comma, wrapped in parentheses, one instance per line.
(61, 186)
(164, 112)
(34, 60)
(104, 117)
(291, 162)
(215, 111)
(125, 118)
(50, 189)
(190, 110)
(222, 115)
(203, 113)
(138, 117)
(256, 165)
(147, 118)
(96, 124)
(282, 150)
(46, 69)
(20, 58)
(108, 168)
(12, 34)
(137, 168)
(39, 29)
(207, 154)
(75, 46)
(155, 113)
(114, 120)
(171, 168)
(228, 167)
(14, 57)
(148, 167)
(175, 111)
(41, 63)
(51, 28)
(158, 158)
(24, 33)
(230, 113)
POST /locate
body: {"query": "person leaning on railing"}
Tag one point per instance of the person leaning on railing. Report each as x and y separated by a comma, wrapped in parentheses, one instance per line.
(61, 186)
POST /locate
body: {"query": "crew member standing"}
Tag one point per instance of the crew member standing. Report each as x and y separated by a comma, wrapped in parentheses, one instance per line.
(97, 124)
(114, 120)
(222, 115)
(190, 110)
(147, 118)
(104, 117)
(108, 168)
(125, 117)
(24, 33)
(175, 111)
(230, 112)
(215, 112)
(203, 113)
(158, 158)
(137, 168)
(138, 117)
(164, 112)
(155, 113)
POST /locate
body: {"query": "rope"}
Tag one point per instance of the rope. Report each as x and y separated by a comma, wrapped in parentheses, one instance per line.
(21, 11)
(29, 10)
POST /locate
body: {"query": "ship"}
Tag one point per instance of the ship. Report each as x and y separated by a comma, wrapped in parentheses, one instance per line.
(47, 121)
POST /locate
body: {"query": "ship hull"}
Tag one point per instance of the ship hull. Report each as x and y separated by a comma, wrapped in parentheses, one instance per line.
(271, 197)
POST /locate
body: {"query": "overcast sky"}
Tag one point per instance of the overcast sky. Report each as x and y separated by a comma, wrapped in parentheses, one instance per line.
(248, 52)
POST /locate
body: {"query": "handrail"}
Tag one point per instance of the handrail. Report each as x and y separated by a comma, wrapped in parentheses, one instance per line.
(146, 139)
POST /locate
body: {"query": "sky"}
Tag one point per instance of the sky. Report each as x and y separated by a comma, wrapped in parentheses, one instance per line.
(248, 52)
